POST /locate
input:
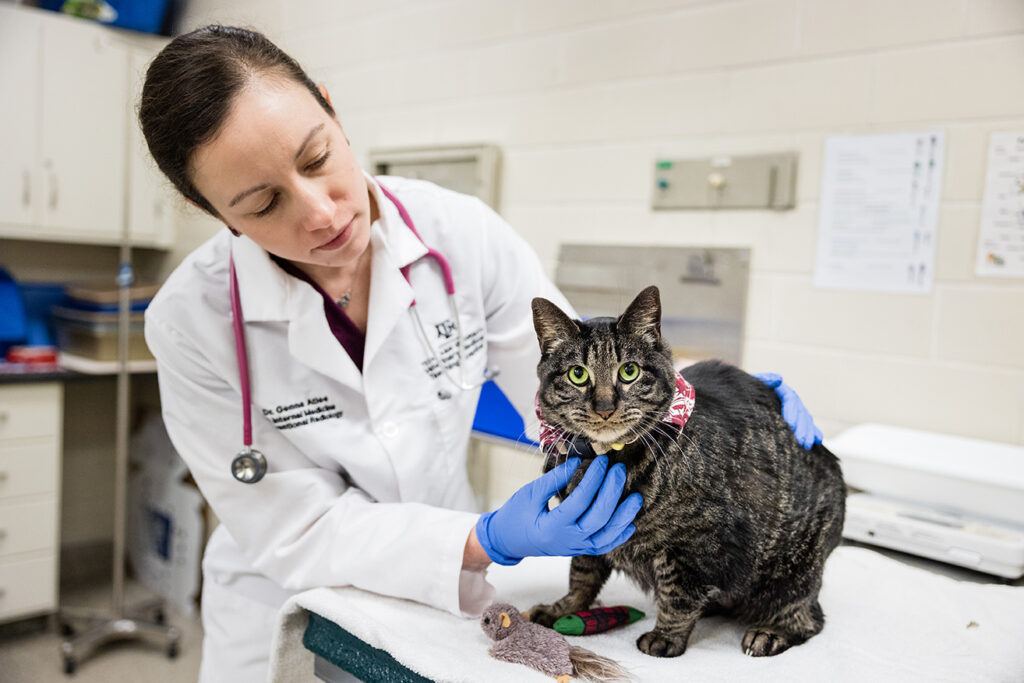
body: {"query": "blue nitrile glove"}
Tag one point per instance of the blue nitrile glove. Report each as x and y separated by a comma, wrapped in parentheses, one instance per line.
(793, 411)
(590, 521)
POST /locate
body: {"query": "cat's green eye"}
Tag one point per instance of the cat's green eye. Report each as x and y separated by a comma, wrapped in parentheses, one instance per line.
(578, 375)
(629, 372)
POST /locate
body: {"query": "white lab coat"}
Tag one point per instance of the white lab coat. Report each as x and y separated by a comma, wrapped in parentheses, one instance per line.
(372, 490)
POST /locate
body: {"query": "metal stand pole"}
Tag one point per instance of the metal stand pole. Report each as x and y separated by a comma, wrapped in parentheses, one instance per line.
(146, 621)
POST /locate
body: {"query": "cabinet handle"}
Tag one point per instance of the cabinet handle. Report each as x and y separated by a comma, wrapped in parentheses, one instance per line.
(26, 188)
(3, 476)
(54, 195)
(3, 416)
(3, 534)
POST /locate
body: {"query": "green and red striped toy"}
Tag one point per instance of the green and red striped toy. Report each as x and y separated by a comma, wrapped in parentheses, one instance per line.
(596, 620)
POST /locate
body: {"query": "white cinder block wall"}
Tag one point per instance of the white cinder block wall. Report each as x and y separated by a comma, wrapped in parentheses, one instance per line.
(583, 96)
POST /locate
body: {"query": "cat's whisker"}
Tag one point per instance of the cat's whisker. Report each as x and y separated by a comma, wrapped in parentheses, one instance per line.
(649, 444)
(651, 419)
(657, 444)
(673, 435)
(673, 443)
(659, 429)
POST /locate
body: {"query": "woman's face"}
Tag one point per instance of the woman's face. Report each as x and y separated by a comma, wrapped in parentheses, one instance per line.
(281, 172)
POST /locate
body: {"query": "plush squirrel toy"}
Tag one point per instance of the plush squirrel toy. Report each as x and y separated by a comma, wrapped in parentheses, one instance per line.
(519, 641)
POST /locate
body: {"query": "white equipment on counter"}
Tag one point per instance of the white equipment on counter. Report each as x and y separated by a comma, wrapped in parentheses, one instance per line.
(948, 498)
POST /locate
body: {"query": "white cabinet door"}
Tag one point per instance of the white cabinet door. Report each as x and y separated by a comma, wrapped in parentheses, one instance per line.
(30, 410)
(150, 205)
(84, 114)
(19, 116)
(25, 527)
(28, 587)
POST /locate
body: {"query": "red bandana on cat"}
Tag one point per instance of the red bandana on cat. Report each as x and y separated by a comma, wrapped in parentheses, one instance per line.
(678, 413)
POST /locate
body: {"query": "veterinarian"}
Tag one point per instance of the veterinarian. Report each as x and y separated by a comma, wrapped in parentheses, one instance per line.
(320, 359)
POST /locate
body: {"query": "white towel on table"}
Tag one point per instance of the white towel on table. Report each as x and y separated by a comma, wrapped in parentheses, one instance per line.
(884, 621)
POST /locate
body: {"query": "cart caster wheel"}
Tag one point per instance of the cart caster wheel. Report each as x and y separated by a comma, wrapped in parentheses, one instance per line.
(69, 666)
(172, 651)
(159, 617)
(66, 630)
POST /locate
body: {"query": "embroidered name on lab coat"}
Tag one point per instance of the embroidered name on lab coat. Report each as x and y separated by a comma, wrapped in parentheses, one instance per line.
(447, 348)
(301, 413)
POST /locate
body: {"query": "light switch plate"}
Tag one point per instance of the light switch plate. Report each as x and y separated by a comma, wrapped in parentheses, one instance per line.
(766, 181)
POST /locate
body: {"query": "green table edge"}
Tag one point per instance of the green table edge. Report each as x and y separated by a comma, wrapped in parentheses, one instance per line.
(367, 663)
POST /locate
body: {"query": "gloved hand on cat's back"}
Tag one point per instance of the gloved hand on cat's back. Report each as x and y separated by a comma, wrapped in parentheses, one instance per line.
(794, 412)
(590, 521)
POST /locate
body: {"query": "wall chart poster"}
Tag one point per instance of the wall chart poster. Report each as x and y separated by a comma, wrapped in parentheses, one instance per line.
(879, 210)
(1001, 238)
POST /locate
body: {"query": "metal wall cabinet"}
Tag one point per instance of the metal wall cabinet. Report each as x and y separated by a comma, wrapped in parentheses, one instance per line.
(30, 447)
(469, 169)
(703, 291)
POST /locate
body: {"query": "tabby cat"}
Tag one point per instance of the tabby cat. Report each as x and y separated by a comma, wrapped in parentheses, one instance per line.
(737, 518)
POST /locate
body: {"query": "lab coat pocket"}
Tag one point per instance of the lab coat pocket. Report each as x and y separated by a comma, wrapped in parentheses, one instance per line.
(453, 409)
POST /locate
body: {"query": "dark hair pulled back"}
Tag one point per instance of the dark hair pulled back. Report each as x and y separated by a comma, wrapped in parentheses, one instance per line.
(190, 87)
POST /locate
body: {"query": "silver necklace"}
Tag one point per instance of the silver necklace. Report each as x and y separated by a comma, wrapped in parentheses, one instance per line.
(345, 298)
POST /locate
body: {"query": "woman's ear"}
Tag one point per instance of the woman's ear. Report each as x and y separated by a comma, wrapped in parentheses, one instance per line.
(323, 91)
(327, 96)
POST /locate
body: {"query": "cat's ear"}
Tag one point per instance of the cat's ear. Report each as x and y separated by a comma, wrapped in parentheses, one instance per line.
(643, 317)
(552, 325)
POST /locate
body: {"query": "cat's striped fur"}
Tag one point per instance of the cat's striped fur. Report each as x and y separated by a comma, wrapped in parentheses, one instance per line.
(737, 516)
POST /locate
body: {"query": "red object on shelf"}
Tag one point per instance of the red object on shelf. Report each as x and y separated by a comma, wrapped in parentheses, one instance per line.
(32, 355)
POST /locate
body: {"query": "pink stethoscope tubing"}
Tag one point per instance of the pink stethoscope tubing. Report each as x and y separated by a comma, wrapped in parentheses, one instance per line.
(249, 465)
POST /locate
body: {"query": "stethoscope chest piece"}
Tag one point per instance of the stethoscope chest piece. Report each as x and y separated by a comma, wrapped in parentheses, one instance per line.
(249, 466)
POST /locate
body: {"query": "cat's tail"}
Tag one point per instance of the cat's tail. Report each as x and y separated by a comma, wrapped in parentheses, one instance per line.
(593, 667)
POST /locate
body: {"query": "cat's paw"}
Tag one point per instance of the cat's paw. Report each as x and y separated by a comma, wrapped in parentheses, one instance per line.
(660, 644)
(545, 615)
(761, 642)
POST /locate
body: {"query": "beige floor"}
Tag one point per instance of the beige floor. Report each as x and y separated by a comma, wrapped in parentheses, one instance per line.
(36, 658)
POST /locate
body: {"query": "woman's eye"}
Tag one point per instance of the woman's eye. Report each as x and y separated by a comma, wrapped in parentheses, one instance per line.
(578, 375)
(268, 208)
(629, 372)
(317, 163)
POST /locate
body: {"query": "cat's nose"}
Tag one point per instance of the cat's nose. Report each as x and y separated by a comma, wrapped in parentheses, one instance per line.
(605, 414)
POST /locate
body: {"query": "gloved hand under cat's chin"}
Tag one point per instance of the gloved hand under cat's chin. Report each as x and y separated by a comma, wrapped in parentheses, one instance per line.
(590, 521)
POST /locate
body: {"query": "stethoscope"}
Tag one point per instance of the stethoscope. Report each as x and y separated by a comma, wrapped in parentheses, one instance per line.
(250, 465)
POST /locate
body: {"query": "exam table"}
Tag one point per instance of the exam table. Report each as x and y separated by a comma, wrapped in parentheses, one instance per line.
(886, 620)
(888, 617)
